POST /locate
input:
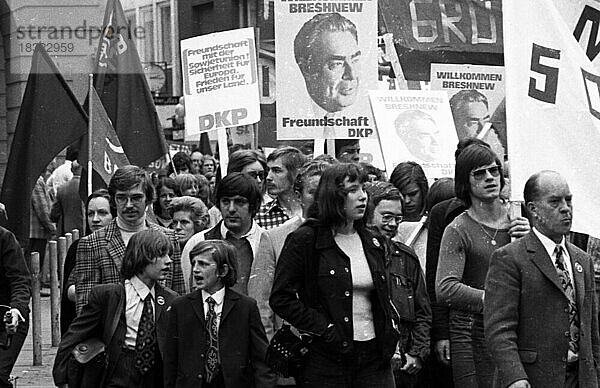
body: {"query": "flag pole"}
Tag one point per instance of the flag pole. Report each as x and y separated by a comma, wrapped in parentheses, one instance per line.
(169, 159)
(90, 140)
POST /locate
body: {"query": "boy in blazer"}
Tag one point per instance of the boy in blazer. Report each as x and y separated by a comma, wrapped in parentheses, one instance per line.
(128, 317)
(215, 335)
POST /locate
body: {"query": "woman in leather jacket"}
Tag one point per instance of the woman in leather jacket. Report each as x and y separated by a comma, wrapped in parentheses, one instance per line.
(331, 282)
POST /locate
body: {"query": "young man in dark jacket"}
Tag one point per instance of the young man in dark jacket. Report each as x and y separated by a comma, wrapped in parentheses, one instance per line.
(407, 285)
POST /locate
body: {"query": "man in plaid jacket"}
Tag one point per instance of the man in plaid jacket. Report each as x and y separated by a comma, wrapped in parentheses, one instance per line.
(99, 255)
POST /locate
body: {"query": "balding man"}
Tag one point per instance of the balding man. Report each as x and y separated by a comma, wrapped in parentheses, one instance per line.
(540, 312)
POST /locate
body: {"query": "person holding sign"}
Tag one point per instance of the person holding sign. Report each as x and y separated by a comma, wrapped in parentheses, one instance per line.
(467, 245)
(326, 50)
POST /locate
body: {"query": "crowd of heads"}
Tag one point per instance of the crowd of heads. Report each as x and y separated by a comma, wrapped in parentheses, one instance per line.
(336, 191)
(331, 189)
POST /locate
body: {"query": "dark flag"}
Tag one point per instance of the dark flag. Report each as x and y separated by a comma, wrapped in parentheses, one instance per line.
(50, 119)
(107, 153)
(205, 144)
(121, 84)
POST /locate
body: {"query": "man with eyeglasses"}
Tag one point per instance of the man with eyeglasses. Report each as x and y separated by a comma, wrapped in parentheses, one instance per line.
(238, 198)
(407, 284)
(283, 165)
(99, 255)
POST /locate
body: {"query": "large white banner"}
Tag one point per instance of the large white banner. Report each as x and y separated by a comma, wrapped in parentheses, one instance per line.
(415, 125)
(326, 60)
(583, 19)
(553, 105)
(219, 81)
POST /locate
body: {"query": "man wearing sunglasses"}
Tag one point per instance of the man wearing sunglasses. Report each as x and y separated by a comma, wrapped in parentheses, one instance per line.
(440, 216)
(99, 255)
(283, 165)
(407, 284)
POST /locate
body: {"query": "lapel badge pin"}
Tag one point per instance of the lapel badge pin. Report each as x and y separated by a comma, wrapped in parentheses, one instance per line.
(376, 242)
(578, 267)
(160, 300)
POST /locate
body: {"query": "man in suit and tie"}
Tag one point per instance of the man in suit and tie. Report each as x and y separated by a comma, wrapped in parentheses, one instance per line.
(540, 310)
(128, 317)
(99, 255)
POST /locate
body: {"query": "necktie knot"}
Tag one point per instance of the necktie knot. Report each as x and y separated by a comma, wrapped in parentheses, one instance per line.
(560, 261)
(211, 302)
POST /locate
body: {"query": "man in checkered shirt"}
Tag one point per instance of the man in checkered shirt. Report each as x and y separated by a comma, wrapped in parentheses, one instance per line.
(100, 255)
(283, 164)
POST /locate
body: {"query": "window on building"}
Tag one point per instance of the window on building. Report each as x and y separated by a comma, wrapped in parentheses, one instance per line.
(204, 18)
(165, 33)
(132, 20)
(146, 48)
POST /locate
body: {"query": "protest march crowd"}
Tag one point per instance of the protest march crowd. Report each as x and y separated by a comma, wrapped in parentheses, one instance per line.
(286, 267)
(294, 270)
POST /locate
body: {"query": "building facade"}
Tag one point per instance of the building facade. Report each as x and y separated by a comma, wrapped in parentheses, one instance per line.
(160, 25)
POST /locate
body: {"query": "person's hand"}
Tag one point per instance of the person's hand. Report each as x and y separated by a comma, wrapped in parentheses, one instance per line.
(330, 334)
(53, 232)
(71, 294)
(442, 351)
(519, 227)
(396, 361)
(413, 365)
(520, 384)
(11, 327)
